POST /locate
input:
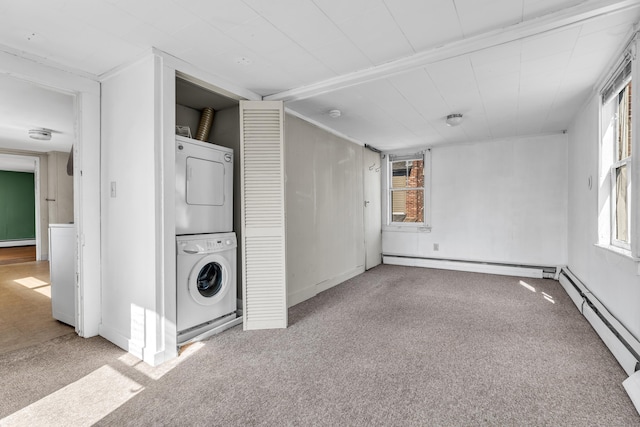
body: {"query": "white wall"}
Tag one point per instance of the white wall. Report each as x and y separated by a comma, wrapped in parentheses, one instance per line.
(500, 201)
(130, 140)
(612, 278)
(323, 209)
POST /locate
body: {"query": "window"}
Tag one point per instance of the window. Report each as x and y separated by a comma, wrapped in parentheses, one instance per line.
(407, 191)
(616, 159)
(407, 196)
(620, 176)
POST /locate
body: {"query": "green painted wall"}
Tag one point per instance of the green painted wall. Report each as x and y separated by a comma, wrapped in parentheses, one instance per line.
(17, 206)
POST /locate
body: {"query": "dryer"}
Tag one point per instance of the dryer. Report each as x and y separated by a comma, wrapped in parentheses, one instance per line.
(206, 282)
(204, 187)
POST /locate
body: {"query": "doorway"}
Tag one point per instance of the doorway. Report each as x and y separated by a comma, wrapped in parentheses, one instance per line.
(26, 315)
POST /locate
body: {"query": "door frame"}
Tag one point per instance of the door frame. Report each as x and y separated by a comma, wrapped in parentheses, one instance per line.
(34, 166)
(86, 180)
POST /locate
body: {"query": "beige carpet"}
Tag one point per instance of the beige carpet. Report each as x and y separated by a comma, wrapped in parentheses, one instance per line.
(396, 346)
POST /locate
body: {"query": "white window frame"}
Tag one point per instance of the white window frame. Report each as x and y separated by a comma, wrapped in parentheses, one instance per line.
(388, 223)
(607, 157)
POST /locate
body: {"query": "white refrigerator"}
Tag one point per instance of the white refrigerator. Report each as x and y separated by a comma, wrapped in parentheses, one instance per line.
(62, 261)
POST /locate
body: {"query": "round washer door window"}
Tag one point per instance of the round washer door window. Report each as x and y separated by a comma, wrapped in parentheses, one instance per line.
(209, 280)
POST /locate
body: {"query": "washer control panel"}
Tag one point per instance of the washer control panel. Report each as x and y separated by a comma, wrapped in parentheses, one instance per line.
(206, 243)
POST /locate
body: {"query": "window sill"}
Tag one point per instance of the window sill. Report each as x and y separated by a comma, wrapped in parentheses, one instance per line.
(619, 251)
(407, 228)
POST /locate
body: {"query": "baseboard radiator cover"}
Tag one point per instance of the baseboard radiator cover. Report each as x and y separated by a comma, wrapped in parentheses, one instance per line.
(622, 344)
(505, 269)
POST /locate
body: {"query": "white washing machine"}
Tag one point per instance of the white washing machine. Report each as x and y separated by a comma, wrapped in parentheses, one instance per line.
(206, 282)
(204, 187)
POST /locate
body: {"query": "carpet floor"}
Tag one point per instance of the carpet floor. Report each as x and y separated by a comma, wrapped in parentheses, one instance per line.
(395, 346)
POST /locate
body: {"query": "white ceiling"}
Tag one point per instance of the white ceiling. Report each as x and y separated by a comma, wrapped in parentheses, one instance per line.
(395, 68)
(24, 106)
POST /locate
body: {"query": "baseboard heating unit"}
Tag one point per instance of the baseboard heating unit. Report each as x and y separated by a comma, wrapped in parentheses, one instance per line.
(533, 271)
(624, 346)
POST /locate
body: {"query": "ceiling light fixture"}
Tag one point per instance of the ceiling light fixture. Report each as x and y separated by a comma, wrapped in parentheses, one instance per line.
(334, 114)
(454, 119)
(40, 134)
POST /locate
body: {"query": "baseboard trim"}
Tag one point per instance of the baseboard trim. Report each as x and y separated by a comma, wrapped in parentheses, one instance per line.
(313, 290)
(330, 283)
(12, 243)
(537, 272)
(121, 341)
(302, 295)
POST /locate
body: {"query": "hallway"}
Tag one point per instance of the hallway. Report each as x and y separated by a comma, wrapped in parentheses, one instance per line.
(25, 306)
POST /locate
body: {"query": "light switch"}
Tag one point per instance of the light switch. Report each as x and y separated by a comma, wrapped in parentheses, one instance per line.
(113, 189)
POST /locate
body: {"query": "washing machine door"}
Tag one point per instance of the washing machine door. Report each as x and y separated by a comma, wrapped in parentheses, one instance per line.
(209, 280)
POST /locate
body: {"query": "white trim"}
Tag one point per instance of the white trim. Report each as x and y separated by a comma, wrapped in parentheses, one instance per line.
(565, 18)
(117, 338)
(416, 148)
(167, 221)
(334, 281)
(474, 267)
(13, 243)
(38, 208)
(47, 62)
(313, 290)
(618, 251)
(211, 82)
(304, 294)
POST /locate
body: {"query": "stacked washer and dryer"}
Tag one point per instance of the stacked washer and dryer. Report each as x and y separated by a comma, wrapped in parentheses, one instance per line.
(206, 244)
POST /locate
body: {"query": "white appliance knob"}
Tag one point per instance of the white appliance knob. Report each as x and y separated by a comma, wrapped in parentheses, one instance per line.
(228, 242)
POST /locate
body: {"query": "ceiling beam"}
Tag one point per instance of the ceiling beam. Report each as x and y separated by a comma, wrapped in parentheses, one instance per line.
(564, 18)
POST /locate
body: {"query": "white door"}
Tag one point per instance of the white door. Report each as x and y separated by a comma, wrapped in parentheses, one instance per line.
(264, 287)
(372, 208)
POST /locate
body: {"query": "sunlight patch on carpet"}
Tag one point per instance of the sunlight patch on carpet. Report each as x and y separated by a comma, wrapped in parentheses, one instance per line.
(157, 372)
(81, 403)
(528, 286)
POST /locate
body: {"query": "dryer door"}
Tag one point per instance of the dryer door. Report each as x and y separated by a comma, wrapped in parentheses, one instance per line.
(209, 280)
(205, 182)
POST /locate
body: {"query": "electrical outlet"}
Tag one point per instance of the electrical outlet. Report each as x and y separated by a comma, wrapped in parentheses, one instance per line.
(436, 246)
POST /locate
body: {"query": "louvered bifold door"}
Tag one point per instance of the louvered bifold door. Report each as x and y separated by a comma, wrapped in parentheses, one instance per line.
(263, 229)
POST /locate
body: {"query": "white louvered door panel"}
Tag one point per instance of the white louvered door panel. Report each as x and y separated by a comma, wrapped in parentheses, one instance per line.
(263, 229)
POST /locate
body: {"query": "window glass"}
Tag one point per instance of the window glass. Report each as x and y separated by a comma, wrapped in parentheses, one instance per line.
(408, 206)
(621, 205)
(624, 123)
(407, 191)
